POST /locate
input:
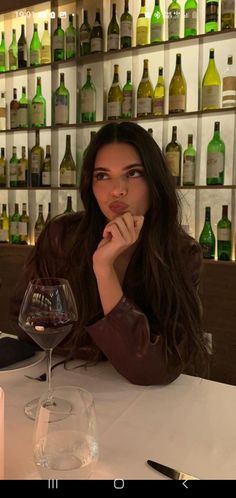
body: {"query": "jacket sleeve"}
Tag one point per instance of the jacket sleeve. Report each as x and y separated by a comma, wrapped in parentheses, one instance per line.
(125, 338)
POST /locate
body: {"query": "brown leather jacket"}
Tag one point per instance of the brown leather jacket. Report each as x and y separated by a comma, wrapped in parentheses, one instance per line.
(127, 336)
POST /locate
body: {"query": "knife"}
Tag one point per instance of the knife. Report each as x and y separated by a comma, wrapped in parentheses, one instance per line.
(169, 472)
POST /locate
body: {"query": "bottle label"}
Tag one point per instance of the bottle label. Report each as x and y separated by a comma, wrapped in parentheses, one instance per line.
(144, 105)
(211, 96)
(156, 32)
(113, 42)
(22, 228)
(158, 106)
(224, 234)
(71, 43)
(215, 164)
(229, 91)
(22, 116)
(12, 59)
(84, 36)
(3, 235)
(13, 118)
(190, 19)
(61, 109)
(189, 169)
(37, 114)
(142, 35)
(2, 171)
(173, 159)
(127, 103)
(37, 234)
(2, 59)
(67, 177)
(227, 7)
(177, 103)
(212, 12)
(22, 53)
(96, 45)
(13, 172)
(35, 163)
(22, 171)
(88, 101)
(2, 112)
(58, 42)
(35, 57)
(113, 110)
(46, 178)
(45, 54)
(14, 228)
(126, 29)
(174, 23)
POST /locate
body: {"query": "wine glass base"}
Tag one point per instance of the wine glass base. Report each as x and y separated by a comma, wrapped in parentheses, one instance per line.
(59, 408)
(31, 408)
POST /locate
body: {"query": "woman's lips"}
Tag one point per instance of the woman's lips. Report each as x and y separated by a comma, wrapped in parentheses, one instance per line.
(118, 207)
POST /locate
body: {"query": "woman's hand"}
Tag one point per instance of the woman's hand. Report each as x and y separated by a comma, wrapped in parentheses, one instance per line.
(118, 235)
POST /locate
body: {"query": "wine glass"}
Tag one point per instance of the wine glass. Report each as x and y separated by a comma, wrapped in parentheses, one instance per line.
(66, 447)
(47, 314)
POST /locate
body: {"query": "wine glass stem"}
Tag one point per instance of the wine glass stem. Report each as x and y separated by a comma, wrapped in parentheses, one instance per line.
(49, 366)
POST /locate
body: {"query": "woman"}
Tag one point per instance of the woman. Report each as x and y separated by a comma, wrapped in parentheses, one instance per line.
(133, 270)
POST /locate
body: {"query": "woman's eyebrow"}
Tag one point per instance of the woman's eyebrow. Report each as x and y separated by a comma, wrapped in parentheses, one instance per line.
(100, 168)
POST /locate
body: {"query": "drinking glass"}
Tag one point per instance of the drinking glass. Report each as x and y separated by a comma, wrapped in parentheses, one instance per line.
(66, 448)
(48, 313)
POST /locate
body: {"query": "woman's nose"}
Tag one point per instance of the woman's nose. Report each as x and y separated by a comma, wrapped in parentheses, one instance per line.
(119, 188)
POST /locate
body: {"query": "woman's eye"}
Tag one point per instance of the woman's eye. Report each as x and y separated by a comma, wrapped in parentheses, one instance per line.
(135, 173)
(100, 176)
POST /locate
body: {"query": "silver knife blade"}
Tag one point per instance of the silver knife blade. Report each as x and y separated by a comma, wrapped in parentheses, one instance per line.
(169, 472)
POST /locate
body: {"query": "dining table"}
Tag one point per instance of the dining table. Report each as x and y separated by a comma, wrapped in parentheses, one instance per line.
(189, 425)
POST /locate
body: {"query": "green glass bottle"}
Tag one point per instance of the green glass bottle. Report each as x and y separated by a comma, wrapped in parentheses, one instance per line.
(177, 89)
(71, 39)
(40, 224)
(45, 46)
(113, 33)
(46, 169)
(174, 12)
(36, 162)
(189, 163)
(224, 236)
(115, 97)
(96, 36)
(84, 35)
(144, 93)
(14, 226)
(3, 169)
(3, 54)
(88, 100)
(58, 42)
(22, 49)
(23, 169)
(38, 108)
(67, 167)
(207, 238)
(4, 226)
(173, 156)
(157, 22)
(13, 53)
(69, 208)
(216, 158)
(35, 48)
(13, 168)
(227, 14)
(23, 226)
(190, 18)
(211, 19)
(142, 26)
(126, 27)
(158, 100)
(127, 98)
(23, 111)
(211, 85)
(61, 103)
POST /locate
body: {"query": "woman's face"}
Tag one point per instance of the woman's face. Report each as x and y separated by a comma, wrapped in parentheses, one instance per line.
(119, 182)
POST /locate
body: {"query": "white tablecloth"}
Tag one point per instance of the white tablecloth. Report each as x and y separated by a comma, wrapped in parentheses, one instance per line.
(189, 424)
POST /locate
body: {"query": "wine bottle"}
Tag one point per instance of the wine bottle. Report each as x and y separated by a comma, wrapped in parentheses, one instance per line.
(13, 53)
(142, 26)
(127, 98)
(13, 168)
(211, 85)
(207, 238)
(3, 54)
(126, 27)
(45, 54)
(229, 85)
(23, 169)
(22, 49)
(14, 106)
(114, 100)
(189, 163)
(61, 103)
(46, 169)
(58, 42)
(144, 94)
(84, 35)
(3, 169)
(177, 89)
(23, 226)
(190, 18)
(4, 226)
(227, 14)
(173, 155)
(38, 108)
(14, 226)
(96, 37)
(157, 22)
(36, 162)
(224, 236)
(71, 39)
(69, 208)
(215, 158)
(35, 48)
(92, 135)
(211, 20)
(159, 95)
(49, 213)
(67, 167)
(3, 111)
(40, 224)
(23, 111)
(174, 12)
(88, 100)
(113, 33)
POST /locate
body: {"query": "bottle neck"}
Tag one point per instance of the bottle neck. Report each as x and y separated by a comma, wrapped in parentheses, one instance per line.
(225, 212)
(174, 135)
(38, 89)
(68, 148)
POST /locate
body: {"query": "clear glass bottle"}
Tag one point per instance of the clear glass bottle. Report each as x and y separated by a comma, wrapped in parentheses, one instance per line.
(190, 18)
(142, 26)
(23, 111)
(88, 100)
(224, 236)
(71, 39)
(39, 225)
(67, 167)
(13, 168)
(113, 32)
(216, 158)
(211, 19)
(158, 100)
(211, 85)
(61, 103)
(23, 169)
(157, 23)
(127, 97)
(4, 226)
(207, 238)
(96, 36)
(46, 168)
(126, 27)
(173, 154)
(45, 54)
(3, 169)
(189, 163)
(227, 14)
(35, 48)
(22, 49)
(229, 85)
(177, 89)
(36, 162)
(174, 13)
(23, 226)
(58, 42)
(14, 226)
(13, 53)
(3, 54)
(144, 93)
(84, 35)
(38, 107)
(114, 99)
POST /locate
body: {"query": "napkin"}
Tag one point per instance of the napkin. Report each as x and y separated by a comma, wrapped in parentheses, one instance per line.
(1, 433)
(13, 350)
